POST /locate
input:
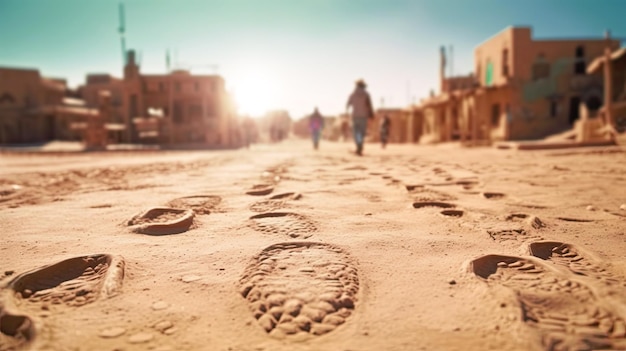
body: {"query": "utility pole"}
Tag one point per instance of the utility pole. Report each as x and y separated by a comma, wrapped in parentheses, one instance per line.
(122, 30)
(451, 62)
(608, 89)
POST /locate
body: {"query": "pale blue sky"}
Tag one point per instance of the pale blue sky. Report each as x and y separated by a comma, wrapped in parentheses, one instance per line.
(305, 53)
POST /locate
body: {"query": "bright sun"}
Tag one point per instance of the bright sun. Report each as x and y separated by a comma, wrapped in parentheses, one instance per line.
(254, 92)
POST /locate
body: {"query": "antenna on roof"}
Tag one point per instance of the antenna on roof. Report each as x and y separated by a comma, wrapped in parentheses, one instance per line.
(451, 62)
(121, 29)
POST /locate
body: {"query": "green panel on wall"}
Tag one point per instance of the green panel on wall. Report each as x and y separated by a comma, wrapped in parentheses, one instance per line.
(489, 74)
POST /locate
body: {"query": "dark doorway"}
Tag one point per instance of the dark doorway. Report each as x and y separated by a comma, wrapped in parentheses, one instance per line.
(580, 65)
(495, 115)
(50, 128)
(580, 52)
(593, 103)
(574, 109)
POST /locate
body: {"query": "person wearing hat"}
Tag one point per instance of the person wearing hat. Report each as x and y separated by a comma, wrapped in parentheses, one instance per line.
(362, 110)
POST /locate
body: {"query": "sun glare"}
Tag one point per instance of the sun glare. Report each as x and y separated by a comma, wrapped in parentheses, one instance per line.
(254, 92)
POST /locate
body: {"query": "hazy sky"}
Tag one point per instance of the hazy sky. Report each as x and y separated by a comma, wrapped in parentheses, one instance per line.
(291, 54)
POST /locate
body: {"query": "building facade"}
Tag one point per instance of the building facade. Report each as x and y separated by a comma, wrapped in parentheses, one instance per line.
(34, 109)
(180, 107)
(523, 88)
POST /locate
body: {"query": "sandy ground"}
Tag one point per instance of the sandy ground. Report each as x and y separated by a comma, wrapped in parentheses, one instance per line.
(281, 247)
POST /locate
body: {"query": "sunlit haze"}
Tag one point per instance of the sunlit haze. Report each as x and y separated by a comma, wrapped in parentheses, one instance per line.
(291, 55)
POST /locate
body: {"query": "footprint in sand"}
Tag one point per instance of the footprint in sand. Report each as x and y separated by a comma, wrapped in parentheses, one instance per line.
(287, 196)
(576, 260)
(200, 204)
(284, 223)
(452, 213)
(73, 282)
(533, 221)
(300, 289)
(275, 202)
(16, 331)
(565, 313)
(492, 195)
(571, 219)
(260, 190)
(422, 193)
(425, 204)
(162, 221)
(502, 235)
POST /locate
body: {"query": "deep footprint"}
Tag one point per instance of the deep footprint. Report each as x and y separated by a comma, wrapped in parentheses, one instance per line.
(492, 196)
(423, 204)
(200, 204)
(283, 223)
(73, 282)
(162, 221)
(452, 213)
(300, 289)
(260, 190)
(565, 312)
(15, 330)
(574, 258)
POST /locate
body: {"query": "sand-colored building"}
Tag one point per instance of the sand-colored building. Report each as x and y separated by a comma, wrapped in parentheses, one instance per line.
(34, 109)
(399, 126)
(173, 108)
(523, 88)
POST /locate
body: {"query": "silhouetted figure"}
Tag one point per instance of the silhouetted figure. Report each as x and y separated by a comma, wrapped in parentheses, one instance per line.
(362, 110)
(316, 124)
(385, 124)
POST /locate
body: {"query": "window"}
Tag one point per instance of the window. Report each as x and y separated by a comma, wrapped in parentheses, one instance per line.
(505, 62)
(579, 63)
(196, 86)
(580, 52)
(495, 115)
(161, 86)
(553, 108)
(177, 87)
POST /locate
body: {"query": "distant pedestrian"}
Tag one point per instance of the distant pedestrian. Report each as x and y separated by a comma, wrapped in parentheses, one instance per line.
(316, 124)
(385, 124)
(362, 110)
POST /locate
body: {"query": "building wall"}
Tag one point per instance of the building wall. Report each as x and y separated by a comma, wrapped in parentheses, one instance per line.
(398, 127)
(23, 91)
(546, 77)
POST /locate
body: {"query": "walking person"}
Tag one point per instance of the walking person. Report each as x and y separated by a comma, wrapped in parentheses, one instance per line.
(362, 110)
(385, 124)
(316, 124)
